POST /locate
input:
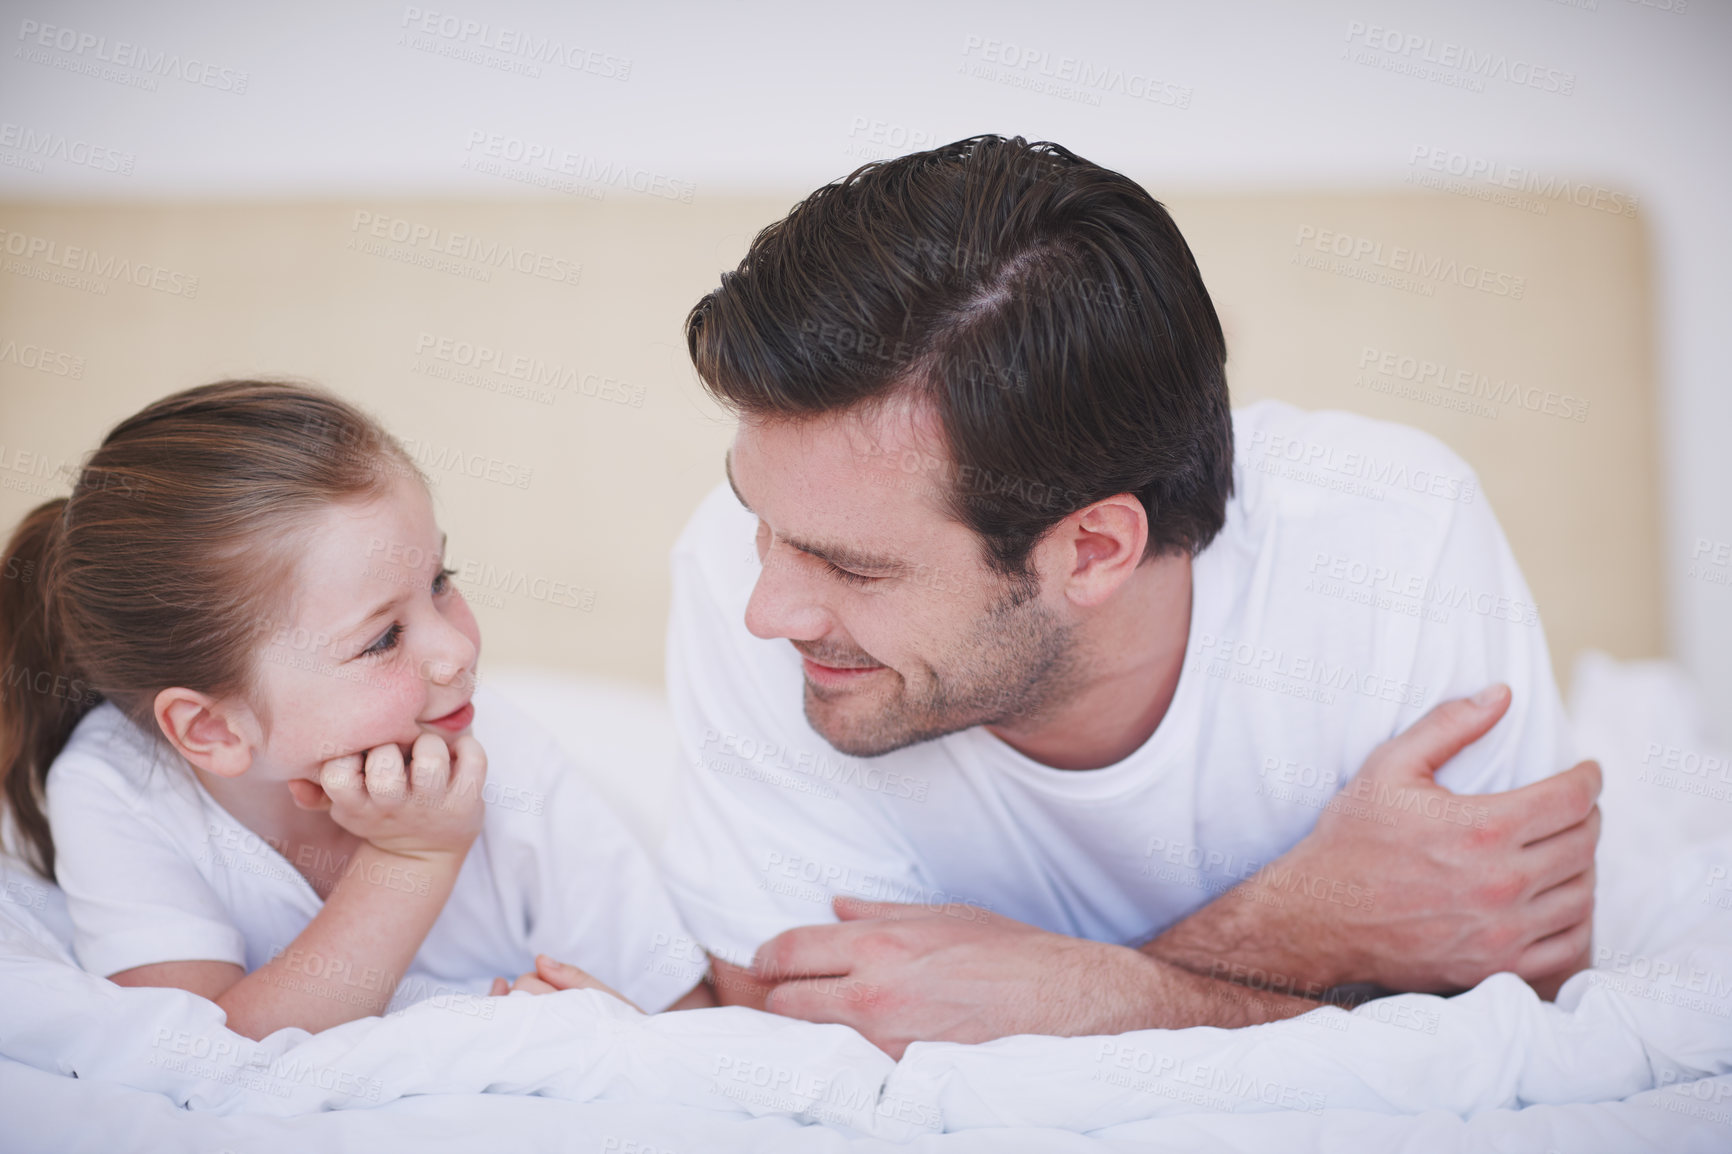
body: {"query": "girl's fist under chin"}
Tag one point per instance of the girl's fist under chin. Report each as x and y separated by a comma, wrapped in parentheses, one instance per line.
(431, 805)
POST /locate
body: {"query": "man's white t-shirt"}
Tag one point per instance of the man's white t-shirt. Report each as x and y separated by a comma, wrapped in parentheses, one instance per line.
(155, 870)
(1360, 579)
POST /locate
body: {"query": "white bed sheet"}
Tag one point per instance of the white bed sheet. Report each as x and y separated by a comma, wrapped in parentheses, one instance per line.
(1635, 1056)
(46, 1112)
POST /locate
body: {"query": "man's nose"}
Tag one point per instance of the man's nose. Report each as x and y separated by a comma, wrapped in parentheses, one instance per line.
(783, 603)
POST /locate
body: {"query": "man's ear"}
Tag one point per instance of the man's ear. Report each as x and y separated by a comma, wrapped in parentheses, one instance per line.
(1098, 547)
(217, 736)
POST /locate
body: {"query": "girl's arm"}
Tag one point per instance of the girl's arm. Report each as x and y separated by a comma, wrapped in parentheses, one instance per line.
(346, 964)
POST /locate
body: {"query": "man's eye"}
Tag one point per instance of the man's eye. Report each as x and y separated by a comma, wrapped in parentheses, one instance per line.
(387, 641)
(442, 581)
(850, 577)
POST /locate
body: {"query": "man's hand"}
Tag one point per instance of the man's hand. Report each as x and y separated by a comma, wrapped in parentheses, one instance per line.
(1452, 888)
(900, 973)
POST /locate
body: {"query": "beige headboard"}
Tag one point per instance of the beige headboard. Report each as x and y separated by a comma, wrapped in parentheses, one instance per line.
(531, 354)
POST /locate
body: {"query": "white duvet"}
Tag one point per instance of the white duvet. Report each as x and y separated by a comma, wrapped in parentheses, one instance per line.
(1635, 1055)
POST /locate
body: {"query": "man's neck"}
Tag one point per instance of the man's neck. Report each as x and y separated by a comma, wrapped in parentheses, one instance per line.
(1133, 652)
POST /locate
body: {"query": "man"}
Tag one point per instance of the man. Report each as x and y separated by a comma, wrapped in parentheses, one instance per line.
(1022, 685)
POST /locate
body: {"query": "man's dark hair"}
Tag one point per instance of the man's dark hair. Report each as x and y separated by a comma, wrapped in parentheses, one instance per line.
(1045, 306)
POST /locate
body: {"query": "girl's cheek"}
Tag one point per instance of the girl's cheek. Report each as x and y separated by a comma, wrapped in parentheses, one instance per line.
(400, 690)
(380, 712)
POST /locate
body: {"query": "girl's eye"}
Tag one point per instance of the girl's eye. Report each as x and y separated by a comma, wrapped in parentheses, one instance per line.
(848, 576)
(387, 641)
(442, 581)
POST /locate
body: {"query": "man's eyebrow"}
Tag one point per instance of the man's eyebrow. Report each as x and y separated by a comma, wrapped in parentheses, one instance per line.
(841, 556)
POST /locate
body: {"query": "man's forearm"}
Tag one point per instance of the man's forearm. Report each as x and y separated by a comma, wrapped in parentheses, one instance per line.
(1182, 997)
(1246, 938)
(1253, 937)
(1111, 990)
(1405, 886)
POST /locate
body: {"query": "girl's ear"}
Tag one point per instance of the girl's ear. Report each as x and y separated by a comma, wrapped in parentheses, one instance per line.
(218, 737)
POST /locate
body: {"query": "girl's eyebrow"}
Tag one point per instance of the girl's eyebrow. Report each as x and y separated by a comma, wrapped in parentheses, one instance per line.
(384, 609)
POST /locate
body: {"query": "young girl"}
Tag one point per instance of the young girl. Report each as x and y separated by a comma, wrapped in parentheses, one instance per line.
(241, 728)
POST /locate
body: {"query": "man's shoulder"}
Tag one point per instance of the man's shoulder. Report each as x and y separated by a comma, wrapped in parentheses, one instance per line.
(1346, 469)
(1335, 441)
(718, 518)
(717, 546)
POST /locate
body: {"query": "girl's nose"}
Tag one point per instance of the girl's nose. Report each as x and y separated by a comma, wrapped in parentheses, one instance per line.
(453, 657)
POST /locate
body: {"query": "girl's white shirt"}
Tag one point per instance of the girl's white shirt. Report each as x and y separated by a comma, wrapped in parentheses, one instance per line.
(154, 870)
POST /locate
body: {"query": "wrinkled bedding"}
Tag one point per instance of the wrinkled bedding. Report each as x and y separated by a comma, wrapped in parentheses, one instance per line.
(1636, 1054)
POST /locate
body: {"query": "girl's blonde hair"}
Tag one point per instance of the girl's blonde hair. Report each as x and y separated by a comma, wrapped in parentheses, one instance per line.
(165, 565)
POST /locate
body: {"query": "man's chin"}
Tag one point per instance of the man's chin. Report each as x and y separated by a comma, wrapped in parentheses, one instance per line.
(857, 726)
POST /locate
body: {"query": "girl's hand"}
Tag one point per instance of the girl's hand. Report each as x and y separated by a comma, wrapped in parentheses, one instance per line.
(431, 808)
(528, 983)
(551, 976)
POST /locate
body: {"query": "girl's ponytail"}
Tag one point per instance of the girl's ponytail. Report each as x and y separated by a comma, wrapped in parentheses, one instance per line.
(42, 693)
(167, 564)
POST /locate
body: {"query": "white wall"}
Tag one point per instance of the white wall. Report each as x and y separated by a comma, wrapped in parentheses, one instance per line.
(340, 100)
